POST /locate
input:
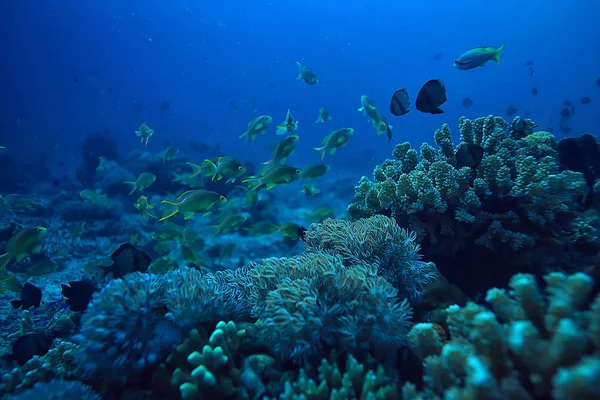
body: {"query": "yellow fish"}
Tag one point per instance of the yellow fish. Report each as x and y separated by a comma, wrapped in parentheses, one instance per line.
(144, 206)
(144, 132)
(336, 139)
(143, 181)
(271, 177)
(257, 126)
(26, 241)
(195, 201)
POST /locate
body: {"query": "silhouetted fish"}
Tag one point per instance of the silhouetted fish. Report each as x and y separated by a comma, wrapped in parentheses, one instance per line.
(165, 106)
(529, 63)
(586, 100)
(431, 96)
(468, 155)
(27, 346)
(399, 103)
(467, 102)
(31, 296)
(531, 71)
(139, 107)
(534, 91)
(511, 111)
(127, 259)
(78, 294)
(436, 56)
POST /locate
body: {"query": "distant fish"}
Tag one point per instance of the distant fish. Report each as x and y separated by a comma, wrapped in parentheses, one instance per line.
(566, 113)
(31, 296)
(511, 111)
(529, 63)
(139, 107)
(534, 91)
(127, 259)
(467, 102)
(306, 75)
(78, 294)
(399, 103)
(586, 100)
(531, 71)
(567, 103)
(165, 106)
(478, 57)
(468, 155)
(436, 56)
(431, 96)
(30, 345)
(564, 126)
(598, 82)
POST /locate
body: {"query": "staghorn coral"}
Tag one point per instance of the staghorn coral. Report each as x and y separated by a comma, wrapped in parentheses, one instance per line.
(313, 301)
(379, 241)
(332, 382)
(531, 346)
(516, 200)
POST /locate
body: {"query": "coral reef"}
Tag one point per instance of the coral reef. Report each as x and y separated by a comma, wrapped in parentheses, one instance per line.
(530, 346)
(313, 302)
(379, 241)
(511, 212)
(58, 389)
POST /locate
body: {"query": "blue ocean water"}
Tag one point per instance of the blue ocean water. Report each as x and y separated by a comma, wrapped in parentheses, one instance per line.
(286, 298)
(220, 64)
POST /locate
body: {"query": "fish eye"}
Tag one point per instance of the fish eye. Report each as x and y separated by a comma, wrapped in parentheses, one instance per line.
(240, 168)
(298, 171)
(222, 198)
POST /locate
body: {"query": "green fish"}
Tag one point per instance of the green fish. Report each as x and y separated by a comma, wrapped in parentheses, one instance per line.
(284, 149)
(257, 126)
(143, 181)
(195, 201)
(336, 139)
(323, 115)
(25, 241)
(306, 75)
(478, 56)
(273, 176)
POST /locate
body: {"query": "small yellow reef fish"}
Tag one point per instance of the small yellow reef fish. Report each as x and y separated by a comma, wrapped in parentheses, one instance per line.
(94, 197)
(309, 190)
(336, 139)
(144, 132)
(262, 228)
(291, 230)
(168, 154)
(369, 108)
(144, 206)
(320, 213)
(315, 171)
(25, 241)
(229, 224)
(143, 181)
(273, 176)
(323, 116)
(284, 149)
(168, 231)
(288, 126)
(306, 75)
(17, 203)
(191, 255)
(226, 167)
(196, 201)
(257, 126)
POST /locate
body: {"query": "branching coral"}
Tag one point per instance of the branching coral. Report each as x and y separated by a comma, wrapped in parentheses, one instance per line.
(530, 345)
(379, 241)
(517, 199)
(313, 301)
(352, 382)
(209, 370)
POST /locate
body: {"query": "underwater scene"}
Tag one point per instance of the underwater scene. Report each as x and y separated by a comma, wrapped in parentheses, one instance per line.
(302, 200)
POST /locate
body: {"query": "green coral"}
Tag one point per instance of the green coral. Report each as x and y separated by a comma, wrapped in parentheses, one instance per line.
(532, 345)
(354, 381)
(209, 370)
(519, 169)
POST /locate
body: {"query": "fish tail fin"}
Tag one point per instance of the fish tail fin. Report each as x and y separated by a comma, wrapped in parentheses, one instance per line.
(4, 260)
(361, 109)
(245, 136)
(170, 215)
(133, 186)
(299, 70)
(171, 203)
(253, 183)
(267, 162)
(16, 303)
(498, 54)
(196, 169)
